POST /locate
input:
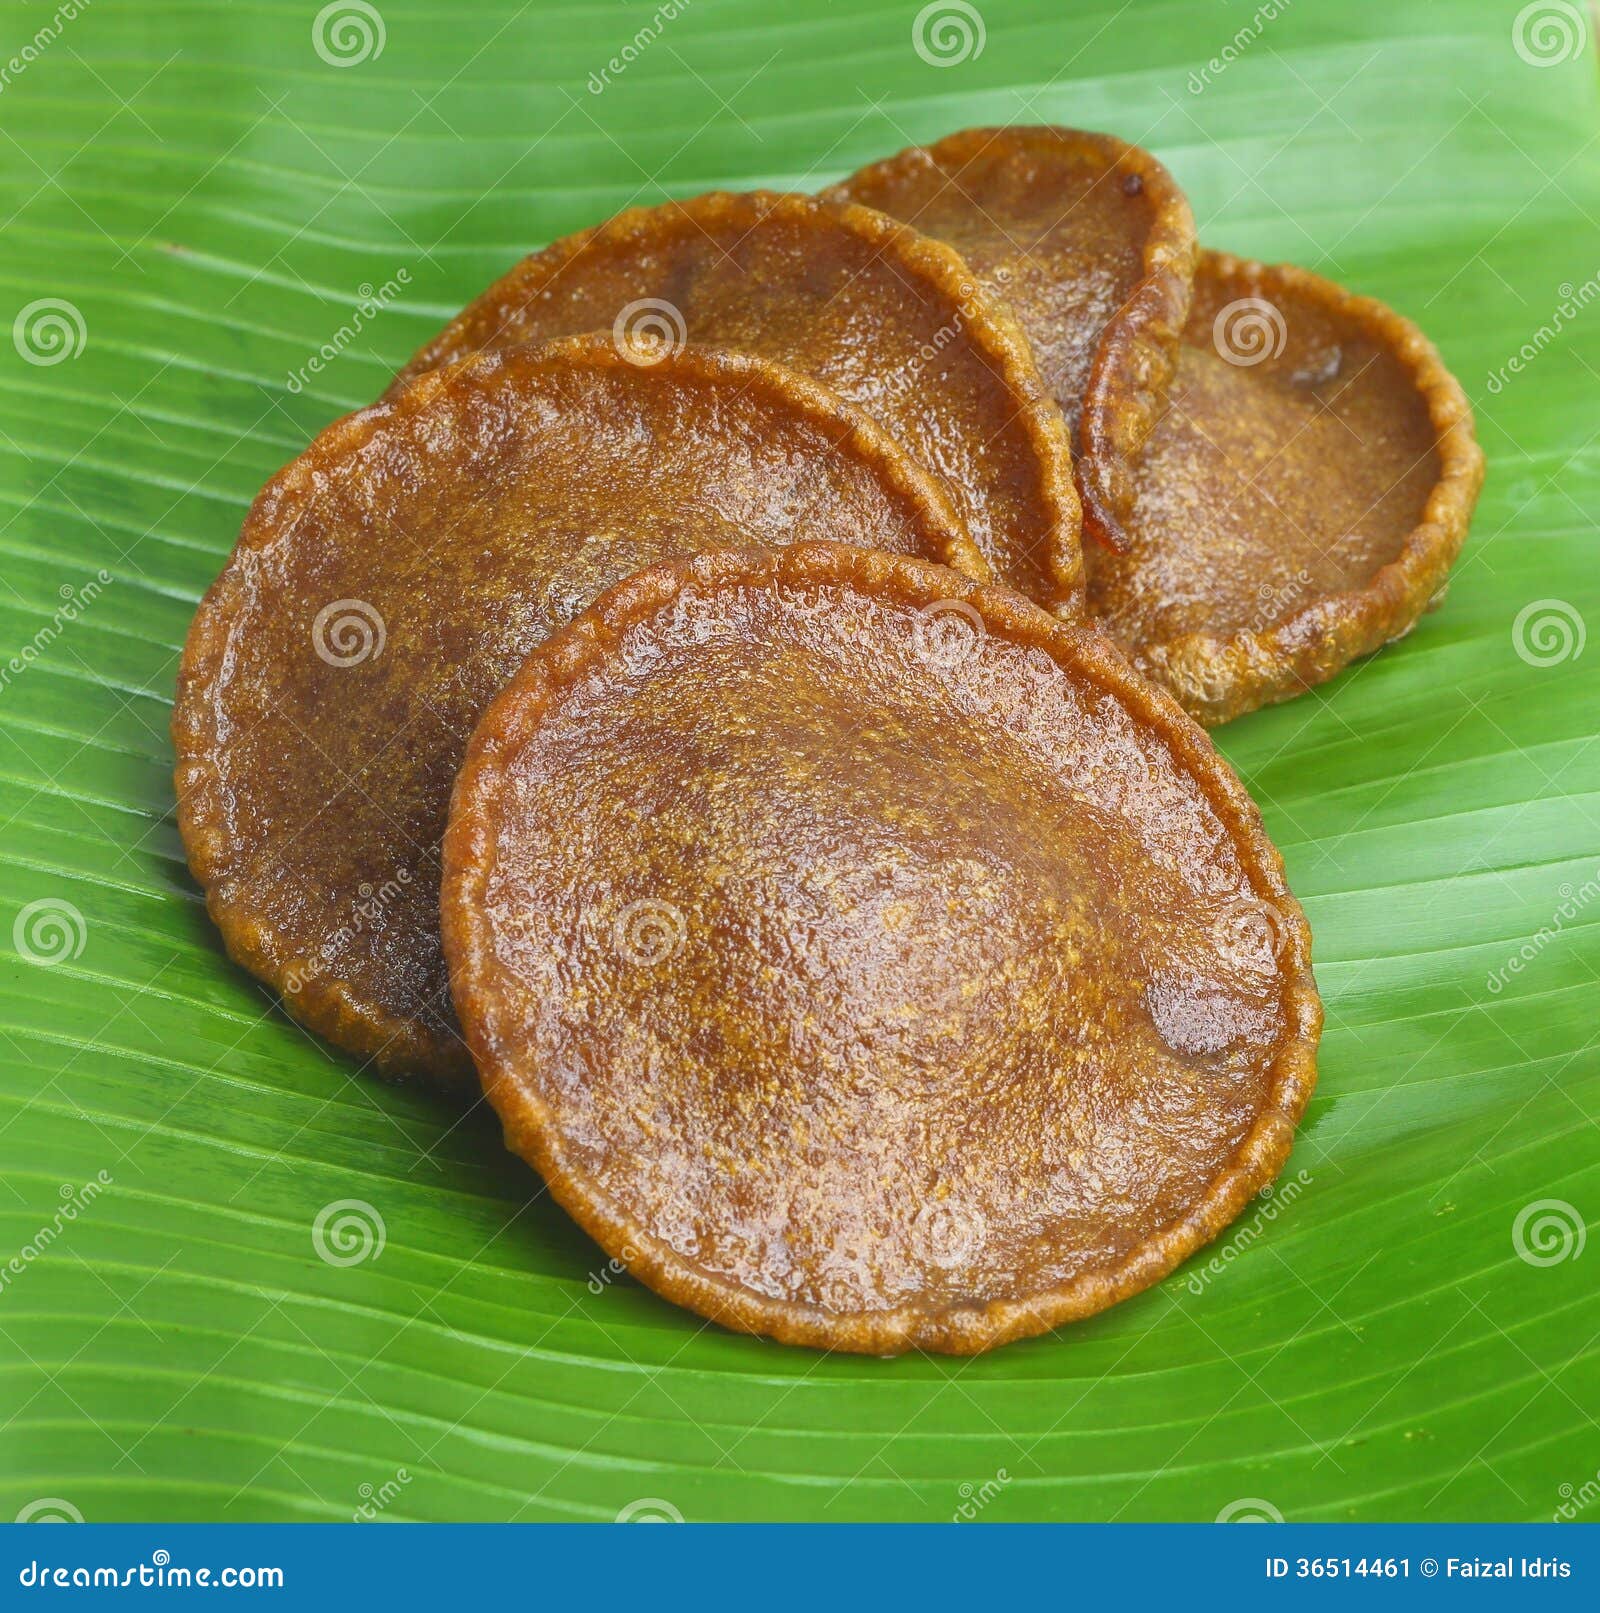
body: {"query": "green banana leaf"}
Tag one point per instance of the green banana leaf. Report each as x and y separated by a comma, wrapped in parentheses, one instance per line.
(227, 224)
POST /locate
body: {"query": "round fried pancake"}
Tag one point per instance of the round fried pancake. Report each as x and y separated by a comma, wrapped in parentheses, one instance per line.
(893, 322)
(868, 959)
(1092, 243)
(390, 580)
(1301, 501)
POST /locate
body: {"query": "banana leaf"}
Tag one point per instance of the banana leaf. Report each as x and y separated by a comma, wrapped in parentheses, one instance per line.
(238, 1281)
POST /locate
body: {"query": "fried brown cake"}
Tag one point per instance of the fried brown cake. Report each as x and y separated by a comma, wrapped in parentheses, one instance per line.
(1092, 243)
(390, 579)
(868, 959)
(892, 321)
(1302, 500)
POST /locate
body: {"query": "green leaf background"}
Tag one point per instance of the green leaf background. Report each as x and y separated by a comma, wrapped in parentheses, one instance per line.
(212, 197)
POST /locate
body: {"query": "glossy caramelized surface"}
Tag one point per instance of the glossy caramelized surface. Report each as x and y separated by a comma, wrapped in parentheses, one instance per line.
(390, 580)
(1301, 500)
(893, 322)
(1091, 243)
(868, 960)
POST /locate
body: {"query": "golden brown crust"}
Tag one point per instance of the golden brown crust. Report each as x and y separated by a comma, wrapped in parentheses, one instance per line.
(577, 655)
(1220, 676)
(922, 277)
(1136, 352)
(400, 1043)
